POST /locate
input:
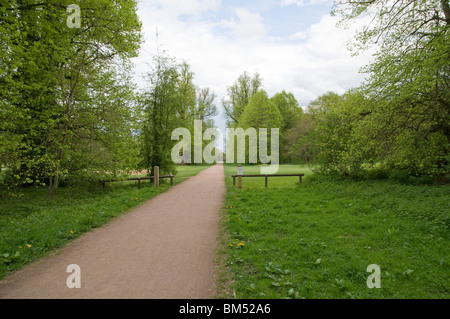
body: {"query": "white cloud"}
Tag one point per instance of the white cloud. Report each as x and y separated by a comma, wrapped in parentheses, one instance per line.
(249, 27)
(298, 35)
(177, 7)
(301, 3)
(308, 63)
(285, 3)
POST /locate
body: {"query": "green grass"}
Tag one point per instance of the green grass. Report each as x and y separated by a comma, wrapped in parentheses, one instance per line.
(317, 239)
(31, 226)
(185, 171)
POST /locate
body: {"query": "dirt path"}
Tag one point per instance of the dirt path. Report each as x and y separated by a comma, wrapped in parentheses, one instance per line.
(164, 249)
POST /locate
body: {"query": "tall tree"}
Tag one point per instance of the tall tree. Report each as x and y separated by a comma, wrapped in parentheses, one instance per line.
(298, 146)
(164, 111)
(239, 95)
(205, 107)
(289, 109)
(261, 113)
(171, 101)
(291, 113)
(66, 85)
(409, 79)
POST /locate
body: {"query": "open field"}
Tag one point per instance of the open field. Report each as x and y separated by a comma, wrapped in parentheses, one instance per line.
(31, 226)
(186, 171)
(317, 239)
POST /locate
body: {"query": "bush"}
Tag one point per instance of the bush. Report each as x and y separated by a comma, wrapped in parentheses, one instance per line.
(404, 177)
(373, 173)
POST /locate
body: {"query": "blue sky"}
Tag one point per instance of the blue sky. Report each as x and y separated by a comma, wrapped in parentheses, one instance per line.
(282, 18)
(293, 44)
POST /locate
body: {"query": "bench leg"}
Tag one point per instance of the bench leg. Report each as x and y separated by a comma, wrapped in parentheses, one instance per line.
(267, 180)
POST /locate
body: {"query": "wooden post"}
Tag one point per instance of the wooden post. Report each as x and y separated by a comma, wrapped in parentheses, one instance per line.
(234, 180)
(139, 183)
(240, 173)
(300, 177)
(171, 180)
(156, 176)
(267, 179)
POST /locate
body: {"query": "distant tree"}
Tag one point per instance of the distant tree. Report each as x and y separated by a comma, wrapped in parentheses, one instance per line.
(261, 113)
(323, 103)
(239, 95)
(289, 109)
(165, 108)
(205, 107)
(298, 146)
(291, 113)
(171, 101)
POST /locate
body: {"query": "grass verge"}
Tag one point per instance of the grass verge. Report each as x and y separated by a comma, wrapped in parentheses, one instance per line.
(316, 240)
(31, 226)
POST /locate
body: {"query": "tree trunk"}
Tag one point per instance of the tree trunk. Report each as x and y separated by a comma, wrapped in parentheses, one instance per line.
(446, 9)
(53, 186)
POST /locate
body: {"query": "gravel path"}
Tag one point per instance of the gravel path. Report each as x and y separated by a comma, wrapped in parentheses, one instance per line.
(163, 249)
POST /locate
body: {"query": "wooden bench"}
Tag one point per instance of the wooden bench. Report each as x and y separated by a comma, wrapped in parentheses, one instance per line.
(267, 177)
(139, 179)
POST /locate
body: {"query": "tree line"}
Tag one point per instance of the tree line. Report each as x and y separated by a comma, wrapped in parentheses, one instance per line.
(397, 121)
(64, 92)
(70, 111)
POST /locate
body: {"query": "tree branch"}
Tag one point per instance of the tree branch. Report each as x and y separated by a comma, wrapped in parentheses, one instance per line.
(446, 9)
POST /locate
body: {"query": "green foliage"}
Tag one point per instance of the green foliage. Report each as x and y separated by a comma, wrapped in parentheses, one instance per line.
(248, 106)
(64, 99)
(162, 110)
(292, 115)
(261, 112)
(289, 109)
(171, 101)
(354, 133)
(399, 118)
(297, 144)
(239, 95)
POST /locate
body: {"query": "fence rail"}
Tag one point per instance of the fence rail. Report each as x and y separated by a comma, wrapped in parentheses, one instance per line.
(156, 177)
(139, 179)
(267, 176)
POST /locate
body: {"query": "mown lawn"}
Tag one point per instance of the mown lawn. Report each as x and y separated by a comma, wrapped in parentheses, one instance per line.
(31, 226)
(186, 171)
(317, 239)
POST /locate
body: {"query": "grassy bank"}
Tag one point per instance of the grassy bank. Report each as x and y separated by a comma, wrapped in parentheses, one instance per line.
(316, 240)
(31, 226)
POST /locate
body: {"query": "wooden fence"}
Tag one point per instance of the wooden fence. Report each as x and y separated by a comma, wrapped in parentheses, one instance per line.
(156, 178)
(267, 177)
(139, 179)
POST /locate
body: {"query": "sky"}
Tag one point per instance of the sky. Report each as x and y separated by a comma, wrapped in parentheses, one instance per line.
(293, 44)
